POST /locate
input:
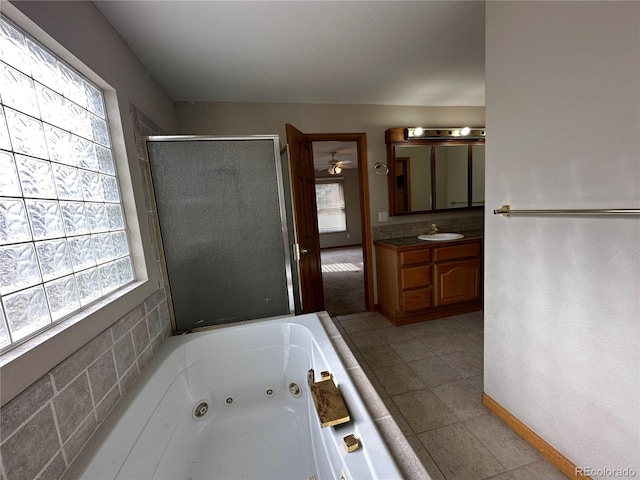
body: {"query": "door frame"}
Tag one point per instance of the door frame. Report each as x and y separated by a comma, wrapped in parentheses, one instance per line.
(365, 219)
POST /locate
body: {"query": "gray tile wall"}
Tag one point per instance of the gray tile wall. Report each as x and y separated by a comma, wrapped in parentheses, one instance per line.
(145, 127)
(45, 427)
(452, 224)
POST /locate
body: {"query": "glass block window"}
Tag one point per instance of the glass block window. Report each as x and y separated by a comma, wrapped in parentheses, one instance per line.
(330, 203)
(63, 240)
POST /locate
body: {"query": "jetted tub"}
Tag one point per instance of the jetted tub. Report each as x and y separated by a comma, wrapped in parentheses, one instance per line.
(223, 404)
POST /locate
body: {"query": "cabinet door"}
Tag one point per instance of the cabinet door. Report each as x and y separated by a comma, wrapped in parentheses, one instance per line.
(457, 281)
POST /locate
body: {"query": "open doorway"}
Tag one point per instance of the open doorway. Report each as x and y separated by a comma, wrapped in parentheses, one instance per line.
(338, 200)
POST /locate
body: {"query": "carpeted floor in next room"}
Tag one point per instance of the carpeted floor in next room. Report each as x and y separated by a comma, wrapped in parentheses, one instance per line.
(343, 280)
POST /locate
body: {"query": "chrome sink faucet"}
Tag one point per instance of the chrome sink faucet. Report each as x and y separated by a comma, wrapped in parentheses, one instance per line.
(433, 230)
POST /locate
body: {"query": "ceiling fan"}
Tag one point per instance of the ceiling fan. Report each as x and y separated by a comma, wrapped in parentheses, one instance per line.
(334, 167)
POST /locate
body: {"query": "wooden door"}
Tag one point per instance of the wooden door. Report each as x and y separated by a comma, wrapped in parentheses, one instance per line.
(306, 220)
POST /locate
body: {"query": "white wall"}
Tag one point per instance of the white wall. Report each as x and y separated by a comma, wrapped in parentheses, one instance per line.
(562, 304)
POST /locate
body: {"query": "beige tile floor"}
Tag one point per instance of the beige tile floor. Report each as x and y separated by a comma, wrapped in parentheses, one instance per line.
(429, 375)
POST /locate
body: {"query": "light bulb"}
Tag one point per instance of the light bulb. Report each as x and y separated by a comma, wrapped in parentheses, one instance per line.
(338, 170)
(465, 131)
(418, 131)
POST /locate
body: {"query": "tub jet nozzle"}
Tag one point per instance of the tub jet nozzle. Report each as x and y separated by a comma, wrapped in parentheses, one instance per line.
(200, 410)
(294, 389)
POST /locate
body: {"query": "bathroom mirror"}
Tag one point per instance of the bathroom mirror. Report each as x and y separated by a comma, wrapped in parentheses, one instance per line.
(434, 174)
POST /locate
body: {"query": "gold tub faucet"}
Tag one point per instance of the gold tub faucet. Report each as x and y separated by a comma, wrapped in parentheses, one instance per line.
(328, 400)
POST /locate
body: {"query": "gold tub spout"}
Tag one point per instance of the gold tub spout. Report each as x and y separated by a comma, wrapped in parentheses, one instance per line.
(328, 400)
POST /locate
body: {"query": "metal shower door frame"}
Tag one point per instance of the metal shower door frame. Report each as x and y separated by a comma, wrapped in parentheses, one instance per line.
(282, 209)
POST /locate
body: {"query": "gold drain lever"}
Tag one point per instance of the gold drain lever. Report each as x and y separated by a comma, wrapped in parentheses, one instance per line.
(328, 400)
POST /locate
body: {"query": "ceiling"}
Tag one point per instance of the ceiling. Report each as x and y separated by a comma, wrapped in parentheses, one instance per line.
(421, 53)
(326, 152)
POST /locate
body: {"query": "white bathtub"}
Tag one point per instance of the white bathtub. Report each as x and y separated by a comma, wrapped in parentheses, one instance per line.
(254, 428)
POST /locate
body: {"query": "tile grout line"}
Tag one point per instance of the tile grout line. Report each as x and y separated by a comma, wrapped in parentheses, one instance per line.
(453, 328)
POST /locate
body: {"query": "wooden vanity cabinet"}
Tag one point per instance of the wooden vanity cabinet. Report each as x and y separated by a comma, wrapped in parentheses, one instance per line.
(427, 281)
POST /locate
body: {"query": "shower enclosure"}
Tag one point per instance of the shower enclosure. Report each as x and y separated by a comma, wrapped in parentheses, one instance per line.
(223, 223)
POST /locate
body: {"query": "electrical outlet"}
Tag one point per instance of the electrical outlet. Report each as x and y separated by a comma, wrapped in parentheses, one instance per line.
(383, 216)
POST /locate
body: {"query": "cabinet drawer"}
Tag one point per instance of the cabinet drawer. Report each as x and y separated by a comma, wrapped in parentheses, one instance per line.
(415, 256)
(411, 277)
(416, 299)
(458, 251)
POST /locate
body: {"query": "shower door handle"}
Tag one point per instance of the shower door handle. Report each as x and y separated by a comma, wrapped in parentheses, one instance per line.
(298, 250)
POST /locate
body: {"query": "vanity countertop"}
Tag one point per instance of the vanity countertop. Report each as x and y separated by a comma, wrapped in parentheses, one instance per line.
(413, 241)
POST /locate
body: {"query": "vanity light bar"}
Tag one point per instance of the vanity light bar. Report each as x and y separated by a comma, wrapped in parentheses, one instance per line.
(457, 132)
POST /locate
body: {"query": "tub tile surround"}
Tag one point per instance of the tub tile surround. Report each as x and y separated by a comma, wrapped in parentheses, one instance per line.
(428, 377)
(45, 427)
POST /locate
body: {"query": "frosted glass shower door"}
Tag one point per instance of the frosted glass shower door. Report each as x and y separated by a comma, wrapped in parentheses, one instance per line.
(223, 227)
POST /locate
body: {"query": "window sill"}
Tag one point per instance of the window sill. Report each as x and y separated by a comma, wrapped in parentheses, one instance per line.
(23, 365)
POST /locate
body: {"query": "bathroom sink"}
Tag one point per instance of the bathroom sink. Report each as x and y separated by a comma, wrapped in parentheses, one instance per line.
(439, 237)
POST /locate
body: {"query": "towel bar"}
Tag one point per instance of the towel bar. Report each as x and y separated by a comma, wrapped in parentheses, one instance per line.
(505, 211)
